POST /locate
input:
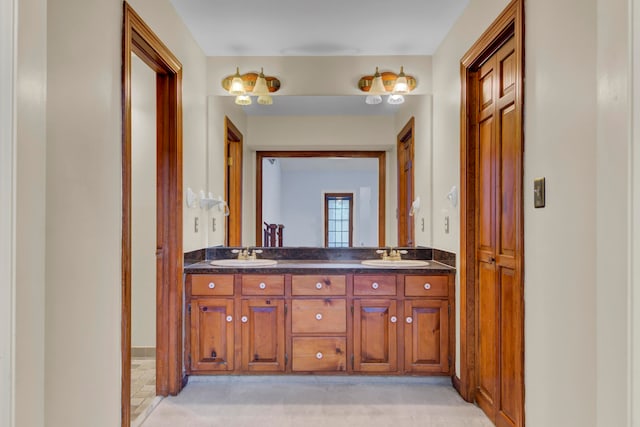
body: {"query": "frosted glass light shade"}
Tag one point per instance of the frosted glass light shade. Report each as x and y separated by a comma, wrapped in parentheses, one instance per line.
(402, 86)
(373, 99)
(377, 87)
(261, 86)
(243, 100)
(265, 100)
(237, 87)
(395, 99)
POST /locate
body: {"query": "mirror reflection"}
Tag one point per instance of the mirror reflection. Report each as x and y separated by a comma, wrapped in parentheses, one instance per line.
(331, 202)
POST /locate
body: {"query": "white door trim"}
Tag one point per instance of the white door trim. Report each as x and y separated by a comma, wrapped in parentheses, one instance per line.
(8, 9)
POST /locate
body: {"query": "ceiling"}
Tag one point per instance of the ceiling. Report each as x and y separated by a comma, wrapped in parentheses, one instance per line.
(319, 27)
(328, 165)
(320, 106)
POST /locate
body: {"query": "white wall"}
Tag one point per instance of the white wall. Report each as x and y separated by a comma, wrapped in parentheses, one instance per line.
(83, 214)
(165, 22)
(614, 229)
(560, 240)
(420, 107)
(217, 108)
(318, 75)
(7, 214)
(271, 190)
(446, 127)
(302, 195)
(143, 204)
(634, 358)
(31, 146)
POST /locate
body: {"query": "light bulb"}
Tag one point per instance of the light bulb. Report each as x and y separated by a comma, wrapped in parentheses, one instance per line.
(265, 100)
(395, 99)
(261, 86)
(402, 86)
(237, 87)
(373, 99)
(243, 100)
(377, 87)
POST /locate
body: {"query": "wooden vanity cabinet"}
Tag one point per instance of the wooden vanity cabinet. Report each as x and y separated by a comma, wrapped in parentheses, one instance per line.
(350, 323)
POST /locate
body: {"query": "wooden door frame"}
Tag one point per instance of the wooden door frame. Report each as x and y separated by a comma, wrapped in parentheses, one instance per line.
(230, 130)
(408, 129)
(382, 167)
(139, 39)
(509, 23)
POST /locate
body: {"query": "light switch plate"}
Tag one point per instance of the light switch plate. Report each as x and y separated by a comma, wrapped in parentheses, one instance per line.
(538, 193)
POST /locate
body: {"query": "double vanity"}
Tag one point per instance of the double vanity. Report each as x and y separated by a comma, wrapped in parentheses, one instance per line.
(331, 311)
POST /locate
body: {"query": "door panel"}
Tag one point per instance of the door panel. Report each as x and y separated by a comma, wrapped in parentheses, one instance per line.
(426, 336)
(212, 343)
(233, 188)
(405, 152)
(374, 336)
(499, 319)
(263, 347)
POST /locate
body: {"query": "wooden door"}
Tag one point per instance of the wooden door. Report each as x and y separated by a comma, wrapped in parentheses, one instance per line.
(375, 344)
(233, 184)
(498, 294)
(212, 335)
(426, 346)
(263, 341)
(406, 233)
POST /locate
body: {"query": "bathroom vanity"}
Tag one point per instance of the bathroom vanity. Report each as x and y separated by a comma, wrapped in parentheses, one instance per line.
(333, 316)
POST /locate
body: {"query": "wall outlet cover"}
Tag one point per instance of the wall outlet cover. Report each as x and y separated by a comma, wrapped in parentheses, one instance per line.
(538, 192)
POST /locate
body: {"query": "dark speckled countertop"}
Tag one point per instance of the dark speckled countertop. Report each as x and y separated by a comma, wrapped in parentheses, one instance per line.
(319, 266)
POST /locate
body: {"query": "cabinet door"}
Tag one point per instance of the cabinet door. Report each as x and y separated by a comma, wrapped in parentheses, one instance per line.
(375, 344)
(263, 334)
(212, 344)
(426, 336)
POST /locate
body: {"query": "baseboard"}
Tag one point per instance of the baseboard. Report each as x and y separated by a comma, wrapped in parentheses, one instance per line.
(456, 384)
(143, 352)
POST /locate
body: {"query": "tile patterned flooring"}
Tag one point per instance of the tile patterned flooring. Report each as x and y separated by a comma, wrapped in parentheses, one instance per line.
(143, 384)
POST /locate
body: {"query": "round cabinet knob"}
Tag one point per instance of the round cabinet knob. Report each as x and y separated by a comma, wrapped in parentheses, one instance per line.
(229, 318)
(318, 316)
(318, 355)
(262, 285)
(375, 285)
(318, 285)
(409, 320)
(427, 286)
(394, 319)
(244, 319)
(212, 285)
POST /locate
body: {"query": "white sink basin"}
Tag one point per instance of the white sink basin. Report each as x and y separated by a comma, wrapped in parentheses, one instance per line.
(247, 263)
(403, 263)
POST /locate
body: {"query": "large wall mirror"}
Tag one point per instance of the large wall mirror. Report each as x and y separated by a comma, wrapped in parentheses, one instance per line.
(321, 198)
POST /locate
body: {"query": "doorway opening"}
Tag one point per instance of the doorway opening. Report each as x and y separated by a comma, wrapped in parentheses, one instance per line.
(406, 228)
(138, 39)
(233, 183)
(492, 221)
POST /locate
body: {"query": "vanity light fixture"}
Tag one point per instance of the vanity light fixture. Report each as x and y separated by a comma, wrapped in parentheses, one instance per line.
(395, 85)
(245, 85)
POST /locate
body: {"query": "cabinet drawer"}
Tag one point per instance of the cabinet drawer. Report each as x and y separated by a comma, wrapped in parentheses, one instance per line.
(258, 284)
(319, 354)
(426, 286)
(309, 316)
(374, 285)
(318, 285)
(211, 284)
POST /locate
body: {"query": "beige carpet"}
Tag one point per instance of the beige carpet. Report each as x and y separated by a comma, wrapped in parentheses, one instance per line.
(312, 401)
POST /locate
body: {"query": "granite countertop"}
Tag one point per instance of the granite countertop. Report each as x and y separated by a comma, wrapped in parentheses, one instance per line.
(318, 266)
